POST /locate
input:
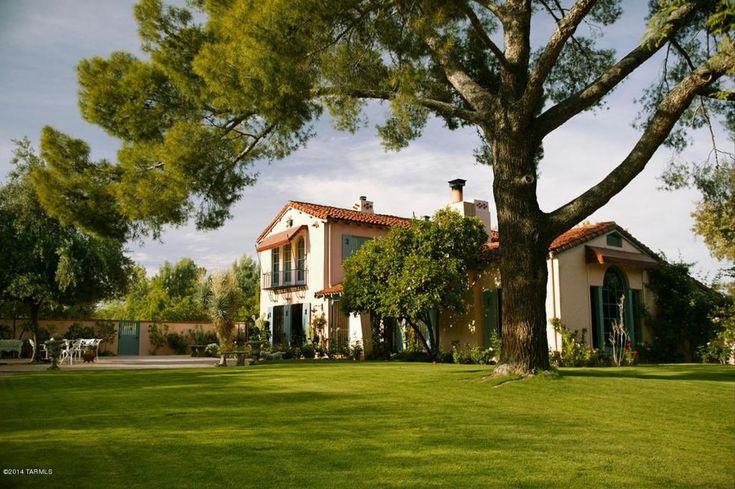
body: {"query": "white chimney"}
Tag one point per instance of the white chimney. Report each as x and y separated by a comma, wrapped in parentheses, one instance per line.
(478, 208)
(364, 205)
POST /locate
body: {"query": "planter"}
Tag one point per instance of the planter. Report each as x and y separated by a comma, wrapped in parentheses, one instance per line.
(88, 357)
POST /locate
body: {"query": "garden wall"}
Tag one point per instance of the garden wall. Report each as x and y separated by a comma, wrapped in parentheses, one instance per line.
(60, 327)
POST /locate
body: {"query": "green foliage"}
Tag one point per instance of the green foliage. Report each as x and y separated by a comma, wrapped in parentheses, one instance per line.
(247, 275)
(721, 348)
(575, 352)
(220, 296)
(197, 336)
(77, 331)
(47, 263)
(413, 271)
(178, 342)
(474, 355)
(157, 335)
(714, 216)
(684, 313)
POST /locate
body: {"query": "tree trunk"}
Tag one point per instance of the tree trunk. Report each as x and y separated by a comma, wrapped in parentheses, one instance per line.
(524, 245)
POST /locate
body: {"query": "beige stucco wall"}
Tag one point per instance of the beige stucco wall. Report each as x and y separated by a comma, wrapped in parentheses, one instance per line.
(335, 231)
(315, 257)
(575, 277)
(467, 328)
(60, 327)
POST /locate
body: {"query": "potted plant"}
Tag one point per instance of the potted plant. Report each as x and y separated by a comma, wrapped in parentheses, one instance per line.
(54, 352)
(89, 354)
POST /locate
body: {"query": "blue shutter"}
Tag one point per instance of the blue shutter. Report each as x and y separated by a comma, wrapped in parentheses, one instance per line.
(490, 314)
(287, 323)
(269, 318)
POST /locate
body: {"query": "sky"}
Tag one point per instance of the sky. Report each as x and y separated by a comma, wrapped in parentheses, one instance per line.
(41, 42)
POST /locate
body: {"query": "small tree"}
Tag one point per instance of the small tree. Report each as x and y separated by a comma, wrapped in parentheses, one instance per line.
(618, 335)
(221, 298)
(415, 273)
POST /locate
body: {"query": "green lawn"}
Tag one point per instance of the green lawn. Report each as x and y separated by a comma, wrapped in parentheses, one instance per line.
(370, 425)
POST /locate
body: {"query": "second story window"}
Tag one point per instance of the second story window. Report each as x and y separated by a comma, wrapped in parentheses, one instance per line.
(275, 265)
(300, 261)
(350, 245)
(287, 264)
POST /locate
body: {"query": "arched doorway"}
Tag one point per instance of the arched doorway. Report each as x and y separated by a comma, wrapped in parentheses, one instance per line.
(606, 305)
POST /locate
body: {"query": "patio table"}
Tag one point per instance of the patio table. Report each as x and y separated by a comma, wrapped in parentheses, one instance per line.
(11, 346)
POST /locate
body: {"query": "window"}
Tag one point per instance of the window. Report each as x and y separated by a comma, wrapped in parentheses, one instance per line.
(614, 239)
(300, 261)
(350, 245)
(605, 302)
(287, 264)
(275, 264)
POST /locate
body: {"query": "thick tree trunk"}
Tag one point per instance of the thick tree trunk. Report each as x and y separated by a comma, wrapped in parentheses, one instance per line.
(524, 244)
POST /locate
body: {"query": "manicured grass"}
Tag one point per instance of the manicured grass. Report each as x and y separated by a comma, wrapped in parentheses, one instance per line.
(370, 425)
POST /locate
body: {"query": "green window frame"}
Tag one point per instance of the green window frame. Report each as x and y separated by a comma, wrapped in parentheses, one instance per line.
(615, 239)
(275, 265)
(300, 261)
(287, 264)
(350, 245)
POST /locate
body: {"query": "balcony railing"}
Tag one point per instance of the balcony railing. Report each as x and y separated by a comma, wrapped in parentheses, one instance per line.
(284, 278)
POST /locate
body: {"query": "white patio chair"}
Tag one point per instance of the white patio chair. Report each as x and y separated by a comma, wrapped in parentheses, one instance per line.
(65, 352)
(96, 345)
(75, 350)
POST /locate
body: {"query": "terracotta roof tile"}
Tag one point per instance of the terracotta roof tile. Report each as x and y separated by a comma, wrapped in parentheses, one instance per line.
(338, 214)
(333, 290)
(574, 237)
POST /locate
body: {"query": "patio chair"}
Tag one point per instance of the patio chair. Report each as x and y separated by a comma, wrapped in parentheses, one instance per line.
(65, 352)
(75, 350)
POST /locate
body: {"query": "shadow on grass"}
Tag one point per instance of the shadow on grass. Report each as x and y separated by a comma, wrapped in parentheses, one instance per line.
(712, 373)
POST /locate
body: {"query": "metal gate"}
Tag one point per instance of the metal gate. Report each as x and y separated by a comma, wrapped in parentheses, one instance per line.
(128, 338)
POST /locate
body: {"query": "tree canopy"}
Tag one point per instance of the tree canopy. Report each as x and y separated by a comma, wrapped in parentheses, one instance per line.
(415, 273)
(45, 263)
(239, 82)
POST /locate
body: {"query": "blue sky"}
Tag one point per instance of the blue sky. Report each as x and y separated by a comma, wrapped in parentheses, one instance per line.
(41, 41)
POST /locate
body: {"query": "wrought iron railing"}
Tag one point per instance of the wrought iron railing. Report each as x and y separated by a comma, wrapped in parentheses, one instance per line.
(284, 278)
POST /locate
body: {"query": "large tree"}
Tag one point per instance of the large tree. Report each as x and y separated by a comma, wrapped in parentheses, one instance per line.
(44, 263)
(246, 82)
(415, 274)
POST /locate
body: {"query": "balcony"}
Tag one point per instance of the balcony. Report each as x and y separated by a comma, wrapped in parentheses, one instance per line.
(284, 279)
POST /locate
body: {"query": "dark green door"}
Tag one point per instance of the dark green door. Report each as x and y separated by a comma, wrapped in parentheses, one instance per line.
(492, 316)
(128, 338)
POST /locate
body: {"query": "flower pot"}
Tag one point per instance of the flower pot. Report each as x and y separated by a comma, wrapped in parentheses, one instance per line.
(88, 357)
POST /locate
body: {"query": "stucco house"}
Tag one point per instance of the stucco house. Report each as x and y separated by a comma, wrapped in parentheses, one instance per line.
(590, 267)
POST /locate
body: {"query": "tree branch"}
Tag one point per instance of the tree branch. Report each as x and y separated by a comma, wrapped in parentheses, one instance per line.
(480, 29)
(657, 129)
(475, 95)
(444, 108)
(493, 7)
(593, 93)
(256, 139)
(564, 30)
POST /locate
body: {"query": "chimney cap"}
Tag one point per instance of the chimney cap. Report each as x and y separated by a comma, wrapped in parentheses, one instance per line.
(363, 197)
(457, 183)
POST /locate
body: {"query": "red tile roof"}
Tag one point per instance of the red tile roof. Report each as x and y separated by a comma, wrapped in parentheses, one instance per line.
(333, 290)
(337, 214)
(574, 237)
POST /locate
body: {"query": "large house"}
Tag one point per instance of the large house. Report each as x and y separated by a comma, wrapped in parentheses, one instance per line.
(590, 268)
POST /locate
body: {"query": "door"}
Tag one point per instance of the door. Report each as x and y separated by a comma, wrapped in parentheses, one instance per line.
(128, 338)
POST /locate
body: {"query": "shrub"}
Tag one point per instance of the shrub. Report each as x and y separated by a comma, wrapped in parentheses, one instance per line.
(198, 336)
(105, 331)
(292, 353)
(77, 331)
(6, 332)
(308, 351)
(356, 351)
(177, 342)
(444, 357)
(157, 337)
(410, 356)
(211, 350)
(721, 348)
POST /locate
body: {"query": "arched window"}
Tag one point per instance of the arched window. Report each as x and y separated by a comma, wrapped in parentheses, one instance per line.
(300, 261)
(614, 289)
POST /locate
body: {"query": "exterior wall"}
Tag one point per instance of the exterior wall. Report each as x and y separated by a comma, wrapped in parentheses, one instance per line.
(467, 328)
(60, 327)
(323, 242)
(315, 258)
(335, 231)
(575, 277)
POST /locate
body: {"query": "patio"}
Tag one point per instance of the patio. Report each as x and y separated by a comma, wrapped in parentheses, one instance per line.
(9, 365)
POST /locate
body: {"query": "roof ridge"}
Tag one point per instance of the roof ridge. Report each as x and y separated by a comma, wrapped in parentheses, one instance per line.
(347, 209)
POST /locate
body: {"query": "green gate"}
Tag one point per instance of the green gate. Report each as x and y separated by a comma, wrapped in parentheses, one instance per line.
(128, 338)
